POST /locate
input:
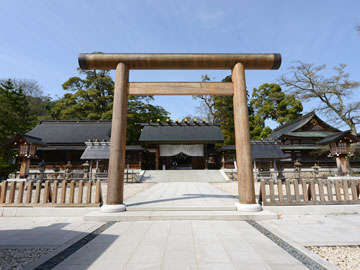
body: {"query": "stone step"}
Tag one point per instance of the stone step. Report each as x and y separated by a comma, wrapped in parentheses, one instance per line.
(99, 216)
(181, 208)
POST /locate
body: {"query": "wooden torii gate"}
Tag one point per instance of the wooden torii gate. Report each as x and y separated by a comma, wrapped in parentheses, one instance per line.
(122, 63)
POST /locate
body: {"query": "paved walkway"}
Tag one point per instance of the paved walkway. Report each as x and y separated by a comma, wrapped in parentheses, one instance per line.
(160, 176)
(181, 245)
(177, 244)
(181, 195)
(41, 231)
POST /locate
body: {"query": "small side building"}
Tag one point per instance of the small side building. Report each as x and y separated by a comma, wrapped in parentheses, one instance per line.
(299, 140)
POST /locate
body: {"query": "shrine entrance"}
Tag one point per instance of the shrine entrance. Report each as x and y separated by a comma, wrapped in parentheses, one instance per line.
(181, 162)
(123, 63)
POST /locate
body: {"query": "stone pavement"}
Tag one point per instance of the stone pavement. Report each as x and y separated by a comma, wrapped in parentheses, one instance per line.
(42, 231)
(181, 245)
(160, 176)
(181, 195)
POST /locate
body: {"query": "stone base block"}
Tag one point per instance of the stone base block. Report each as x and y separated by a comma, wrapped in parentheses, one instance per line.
(113, 208)
(242, 207)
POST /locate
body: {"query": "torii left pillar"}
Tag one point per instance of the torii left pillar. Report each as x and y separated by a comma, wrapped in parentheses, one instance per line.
(115, 190)
(247, 201)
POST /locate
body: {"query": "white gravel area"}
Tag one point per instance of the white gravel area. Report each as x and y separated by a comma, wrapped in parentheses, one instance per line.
(17, 258)
(344, 257)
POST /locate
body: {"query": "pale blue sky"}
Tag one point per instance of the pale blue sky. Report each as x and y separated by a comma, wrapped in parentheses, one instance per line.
(41, 40)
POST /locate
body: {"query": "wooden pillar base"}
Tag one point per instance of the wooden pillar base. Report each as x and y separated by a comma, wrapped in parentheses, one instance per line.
(113, 208)
(241, 207)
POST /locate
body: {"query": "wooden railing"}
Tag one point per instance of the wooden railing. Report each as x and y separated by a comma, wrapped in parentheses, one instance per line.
(130, 175)
(51, 194)
(309, 192)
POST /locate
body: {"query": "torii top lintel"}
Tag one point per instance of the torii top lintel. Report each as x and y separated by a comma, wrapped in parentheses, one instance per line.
(108, 61)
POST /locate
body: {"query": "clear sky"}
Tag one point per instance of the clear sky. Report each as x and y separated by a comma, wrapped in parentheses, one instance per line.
(41, 40)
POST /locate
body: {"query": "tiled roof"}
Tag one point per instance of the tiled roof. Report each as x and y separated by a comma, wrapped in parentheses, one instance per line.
(101, 150)
(295, 125)
(310, 134)
(338, 136)
(63, 132)
(181, 133)
(262, 150)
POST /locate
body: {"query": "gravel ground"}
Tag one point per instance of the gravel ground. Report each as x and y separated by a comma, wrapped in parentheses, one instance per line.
(17, 258)
(344, 257)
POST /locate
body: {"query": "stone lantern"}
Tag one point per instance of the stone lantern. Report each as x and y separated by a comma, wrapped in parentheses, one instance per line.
(68, 167)
(42, 167)
(316, 169)
(339, 145)
(297, 167)
(86, 166)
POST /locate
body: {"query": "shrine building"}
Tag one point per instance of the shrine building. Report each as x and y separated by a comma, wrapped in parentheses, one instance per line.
(181, 145)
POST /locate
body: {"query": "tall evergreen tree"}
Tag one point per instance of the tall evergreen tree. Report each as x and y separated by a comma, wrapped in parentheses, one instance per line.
(91, 98)
(225, 116)
(15, 117)
(268, 101)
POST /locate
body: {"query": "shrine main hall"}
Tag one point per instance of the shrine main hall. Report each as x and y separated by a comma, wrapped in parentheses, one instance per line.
(161, 146)
(180, 145)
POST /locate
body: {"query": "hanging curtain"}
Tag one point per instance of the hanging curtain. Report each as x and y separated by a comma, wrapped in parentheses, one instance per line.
(193, 150)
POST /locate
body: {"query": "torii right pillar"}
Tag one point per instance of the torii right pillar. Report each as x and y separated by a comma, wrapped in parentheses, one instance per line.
(247, 201)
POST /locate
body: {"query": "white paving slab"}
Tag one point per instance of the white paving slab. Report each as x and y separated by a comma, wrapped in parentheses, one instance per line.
(316, 230)
(159, 176)
(181, 196)
(99, 216)
(181, 245)
(41, 231)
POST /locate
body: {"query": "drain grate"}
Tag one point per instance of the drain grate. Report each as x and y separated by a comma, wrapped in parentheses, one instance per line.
(60, 257)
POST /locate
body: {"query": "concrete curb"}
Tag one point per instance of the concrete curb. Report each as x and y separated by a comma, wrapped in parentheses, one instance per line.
(314, 209)
(45, 211)
(99, 216)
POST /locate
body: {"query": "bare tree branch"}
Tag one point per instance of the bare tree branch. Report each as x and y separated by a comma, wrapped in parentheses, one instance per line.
(334, 93)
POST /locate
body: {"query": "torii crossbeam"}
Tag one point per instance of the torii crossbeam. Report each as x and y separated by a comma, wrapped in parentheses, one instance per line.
(122, 63)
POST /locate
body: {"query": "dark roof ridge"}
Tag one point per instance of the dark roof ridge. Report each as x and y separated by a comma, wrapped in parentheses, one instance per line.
(179, 124)
(264, 142)
(294, 121)
(338, 135)
(29, 136)
(74, 121)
